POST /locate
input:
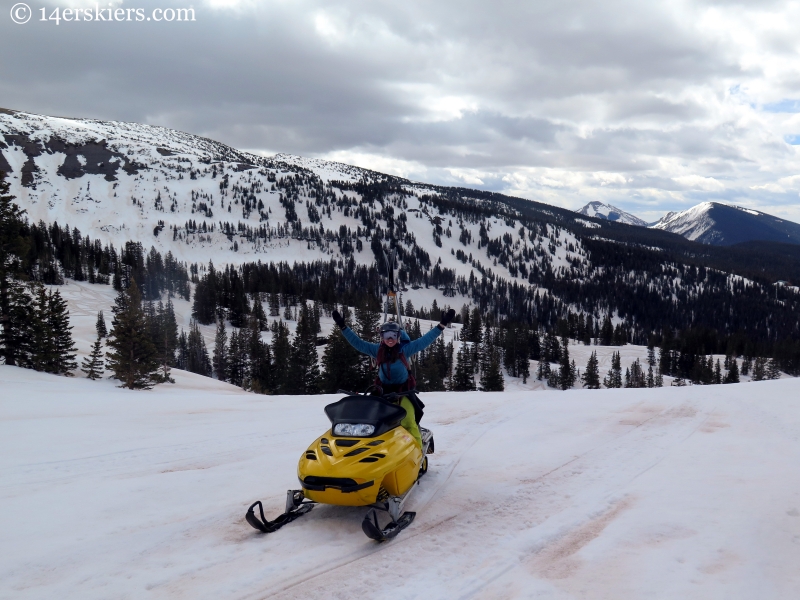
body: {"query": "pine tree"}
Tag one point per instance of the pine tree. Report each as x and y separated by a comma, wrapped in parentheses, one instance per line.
(650, 382)
(463, 378)
(759, 369)
(259, 314)
(165, 338)
(63, 346)
(196, 353)
(236, 359)
(92, 365)
(659, 382)
(274, 305)
(304, 363)
(133, 356)
(566, 372)
(543, 372)
(220, 363)
(259, 372)
(772, 369)
(491, 373)
(14, 300)
(100, 325)
(634, 377)
(733, 372)
(281, 356)
(591, 376)
(717, 373)
(614, 377)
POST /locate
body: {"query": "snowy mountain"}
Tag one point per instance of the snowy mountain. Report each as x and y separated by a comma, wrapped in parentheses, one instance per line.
(723, 225)
(204, 201)
(600, 210)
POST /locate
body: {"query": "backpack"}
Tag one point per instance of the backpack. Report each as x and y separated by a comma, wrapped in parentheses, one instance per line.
(410, 384)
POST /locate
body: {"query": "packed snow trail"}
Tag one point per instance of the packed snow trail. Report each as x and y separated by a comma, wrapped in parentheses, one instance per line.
(668, 493)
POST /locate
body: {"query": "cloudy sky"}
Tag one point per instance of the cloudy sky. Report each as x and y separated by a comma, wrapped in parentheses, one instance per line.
(651, 106)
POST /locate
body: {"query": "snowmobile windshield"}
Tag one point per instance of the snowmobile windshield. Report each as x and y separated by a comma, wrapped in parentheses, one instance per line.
(365, 410)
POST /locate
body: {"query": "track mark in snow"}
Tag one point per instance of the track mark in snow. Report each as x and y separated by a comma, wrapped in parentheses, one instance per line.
(556, 561)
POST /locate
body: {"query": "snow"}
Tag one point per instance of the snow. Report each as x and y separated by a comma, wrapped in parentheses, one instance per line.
(667, 493)
(608, 212)
(691, 223)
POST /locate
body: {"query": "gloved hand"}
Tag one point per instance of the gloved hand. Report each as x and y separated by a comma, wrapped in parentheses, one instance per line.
(338, 319)
(447, 318)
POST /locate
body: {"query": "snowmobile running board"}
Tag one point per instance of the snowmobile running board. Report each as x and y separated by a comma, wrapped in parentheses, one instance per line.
(295, 507)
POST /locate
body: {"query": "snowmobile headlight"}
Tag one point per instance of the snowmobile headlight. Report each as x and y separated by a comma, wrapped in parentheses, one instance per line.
(353, 429)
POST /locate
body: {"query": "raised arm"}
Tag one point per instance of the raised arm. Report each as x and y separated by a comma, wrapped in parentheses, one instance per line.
(361, 345)
(426, 340)
(421, 343)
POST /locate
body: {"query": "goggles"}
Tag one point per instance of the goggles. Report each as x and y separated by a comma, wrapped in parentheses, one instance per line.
(390, 335)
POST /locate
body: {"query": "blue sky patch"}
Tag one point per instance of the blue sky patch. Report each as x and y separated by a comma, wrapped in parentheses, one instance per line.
(787, 105)
(794, 140)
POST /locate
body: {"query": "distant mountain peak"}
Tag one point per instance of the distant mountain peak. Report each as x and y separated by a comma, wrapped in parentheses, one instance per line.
(723, 225)
(608, 212)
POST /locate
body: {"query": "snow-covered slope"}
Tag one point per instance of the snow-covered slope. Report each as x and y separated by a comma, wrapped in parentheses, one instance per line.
(723, 225)
(600, 210)
(178, 192)
(671, 493)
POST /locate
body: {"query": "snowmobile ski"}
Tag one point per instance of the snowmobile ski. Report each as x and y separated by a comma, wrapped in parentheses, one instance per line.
(373, 531)
(295, 507)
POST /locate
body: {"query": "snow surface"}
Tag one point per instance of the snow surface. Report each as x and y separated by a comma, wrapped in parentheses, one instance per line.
(691, 223)
(667, 493)
(608, 212)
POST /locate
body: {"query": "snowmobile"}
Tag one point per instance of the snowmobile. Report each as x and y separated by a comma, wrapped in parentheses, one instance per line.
(365, 459)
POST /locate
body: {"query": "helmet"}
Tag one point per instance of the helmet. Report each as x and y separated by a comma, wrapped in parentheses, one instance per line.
(390, 326)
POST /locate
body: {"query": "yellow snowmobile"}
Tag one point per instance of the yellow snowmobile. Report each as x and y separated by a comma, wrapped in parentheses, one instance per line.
(365, 459)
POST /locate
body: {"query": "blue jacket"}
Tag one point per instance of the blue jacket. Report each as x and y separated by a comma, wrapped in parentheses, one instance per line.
(397, 372)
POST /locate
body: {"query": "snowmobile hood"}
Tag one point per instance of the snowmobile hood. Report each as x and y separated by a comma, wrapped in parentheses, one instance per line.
(371, 410)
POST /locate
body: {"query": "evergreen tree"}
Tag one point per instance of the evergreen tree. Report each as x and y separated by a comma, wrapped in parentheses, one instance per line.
(746, 364)
(651, 382)
(100, 325)
(634, 377)
(164, 328)
(259, 374)
(659, 382)
(614, 377)
(304, 363)
(14, 300)
(274, 305)
(733, 372)
(281, 356)
(463, 379)
(543, 372)
(566, 372)
(772, 369)
(340, 362)
(259, 314)
(92, 365)
(717, 373)
(236, 359)
(197, 360)
(220, 363)
(606, 332)
(63, 346)
(182, 359)
(591, 376)
(491, 375)
(759, 369)
(133, 357)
